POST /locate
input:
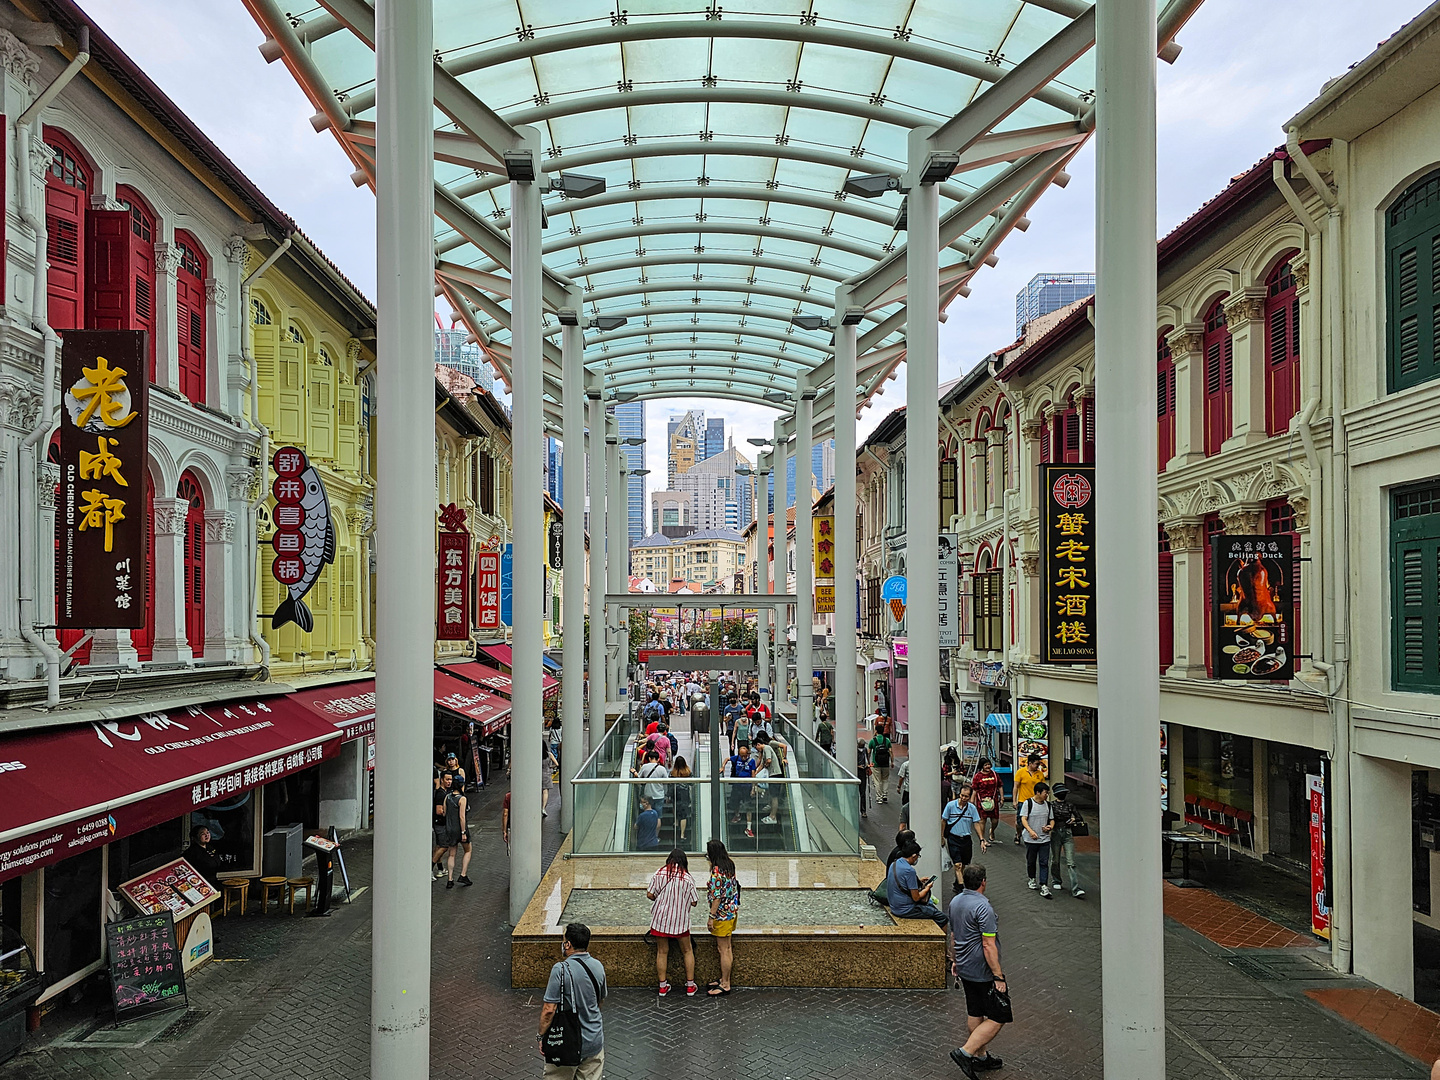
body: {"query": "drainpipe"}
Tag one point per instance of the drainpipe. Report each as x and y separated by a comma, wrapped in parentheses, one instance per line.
(248, 355)
(40, 318)
(1341, 941)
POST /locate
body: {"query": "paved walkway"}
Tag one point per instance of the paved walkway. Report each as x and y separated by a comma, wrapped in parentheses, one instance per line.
(291, 999)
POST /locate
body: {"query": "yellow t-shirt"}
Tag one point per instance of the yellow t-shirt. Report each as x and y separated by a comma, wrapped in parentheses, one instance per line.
(1025, 782)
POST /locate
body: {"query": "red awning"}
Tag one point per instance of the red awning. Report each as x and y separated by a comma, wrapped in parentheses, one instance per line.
(67, 790)
(489, 712)
(349, 706)
(499, 653)
(480, 675)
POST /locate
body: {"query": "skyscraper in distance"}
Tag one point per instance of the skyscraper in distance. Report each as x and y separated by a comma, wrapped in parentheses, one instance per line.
(1047, 292)
(630, 422)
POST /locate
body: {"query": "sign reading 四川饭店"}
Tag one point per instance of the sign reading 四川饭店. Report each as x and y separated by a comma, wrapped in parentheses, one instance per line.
(1068, 540)
(100, 523)
(1252, 598)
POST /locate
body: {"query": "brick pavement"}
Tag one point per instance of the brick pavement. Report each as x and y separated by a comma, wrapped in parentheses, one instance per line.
(294, 1002)
(1227, 923)
(1398, 1021)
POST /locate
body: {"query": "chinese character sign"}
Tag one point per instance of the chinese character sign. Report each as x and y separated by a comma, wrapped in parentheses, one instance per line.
(1319, 894)
(100, 522)
(452, 600)
(304, 537)
(824, 529)
(487, 590)
(948, 600)
(1068, 537)
(1253, 606)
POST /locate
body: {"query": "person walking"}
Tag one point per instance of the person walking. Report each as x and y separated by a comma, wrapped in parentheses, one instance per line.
(1026, 777)
(684, 799)
(1062, 841)
(975, 961)
(742, 766)
(722, 893)
(1037, 818)
(879, 747)
(985, 789)
(583, 990)
(909, 896)
(445, 838)
(961, 819)
(672, 890)
(654, 772)
(862, 772)
(548, 764)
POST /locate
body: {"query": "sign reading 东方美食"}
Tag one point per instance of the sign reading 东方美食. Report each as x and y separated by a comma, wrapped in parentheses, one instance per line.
(100, 519)
(1067, 617)
(452, 599)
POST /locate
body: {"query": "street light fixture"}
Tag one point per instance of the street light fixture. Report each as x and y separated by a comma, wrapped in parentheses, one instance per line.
(633, 440)
(758, 442)
(608, 322)
(576, 186)
(624, 396)
(776, 395)
(938, 167)
(809, 322)
(871, 185)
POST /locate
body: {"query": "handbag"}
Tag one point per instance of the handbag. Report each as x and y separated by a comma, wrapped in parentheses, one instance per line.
(987, 804)
(1078, 825)
(561, 1043)
(998, 1007)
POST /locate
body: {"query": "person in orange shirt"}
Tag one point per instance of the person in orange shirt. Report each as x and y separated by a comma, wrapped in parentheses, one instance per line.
(1026, 777)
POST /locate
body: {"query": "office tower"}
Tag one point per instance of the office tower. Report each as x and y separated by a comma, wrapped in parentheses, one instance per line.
(554, 469)
(454, 349)
(630, 420)
(1047, 292)
(685, 444)
(822, 463)
(714, 436)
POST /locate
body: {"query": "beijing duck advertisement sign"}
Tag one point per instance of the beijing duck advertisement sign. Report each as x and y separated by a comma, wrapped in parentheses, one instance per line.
(1253, 606)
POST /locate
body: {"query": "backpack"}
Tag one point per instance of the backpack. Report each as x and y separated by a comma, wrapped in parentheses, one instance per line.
(882, 753)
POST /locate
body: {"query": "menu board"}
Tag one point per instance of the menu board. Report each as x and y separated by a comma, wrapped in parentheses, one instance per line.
(145, 969)
(176, 888)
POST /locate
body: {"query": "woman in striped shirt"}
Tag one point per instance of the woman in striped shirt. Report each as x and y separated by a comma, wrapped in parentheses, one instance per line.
(673, 891)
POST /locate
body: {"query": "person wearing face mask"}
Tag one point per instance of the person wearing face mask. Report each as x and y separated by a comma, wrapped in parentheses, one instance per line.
(579, 981)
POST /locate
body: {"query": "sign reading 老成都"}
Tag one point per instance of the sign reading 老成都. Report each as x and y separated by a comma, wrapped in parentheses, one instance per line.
(452, 600)
(1254, 607)
(1068, 541)
(100, 523)
(304, 538)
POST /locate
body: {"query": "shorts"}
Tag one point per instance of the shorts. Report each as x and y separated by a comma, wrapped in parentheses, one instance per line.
(672, 937)
(961, 848)
(724, 928)
(445, 838)
(979, 1001)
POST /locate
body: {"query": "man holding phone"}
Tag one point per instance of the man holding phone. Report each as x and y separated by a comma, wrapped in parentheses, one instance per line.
(909, 896)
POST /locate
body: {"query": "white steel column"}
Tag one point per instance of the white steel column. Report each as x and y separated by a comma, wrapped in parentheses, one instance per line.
(762, 559)
(405, 535)
(617, 562)
(922, 499)
(1129, 687)
(595, 463)
(804, 558)
(846, 505)
(779, 581)
(527, 483)
(572, 690)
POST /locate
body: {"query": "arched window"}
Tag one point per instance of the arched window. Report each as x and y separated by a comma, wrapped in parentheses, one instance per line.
(1165, 398)
(1219, 350)
(1282, 348)
(67, 198)
(1165, 593)
(190, 315)
(1412, 284)
(136, 253)
(194, 562)
(295, 334)
(259, 313)
(1071, 434)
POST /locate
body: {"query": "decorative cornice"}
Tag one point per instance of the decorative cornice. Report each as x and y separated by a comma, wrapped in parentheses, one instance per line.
(1244, 307)
(169, 516)
(219, 526)
(1030, 563)
(48, 483)
(179, 417)
(353, 351)
(1242, 519)
(1300, 503)
(1185, 534)
(242, 482)
(167, 258)
(1185, 340)
(19, 60)
(216, 293)
(19, 403)
(237, 251)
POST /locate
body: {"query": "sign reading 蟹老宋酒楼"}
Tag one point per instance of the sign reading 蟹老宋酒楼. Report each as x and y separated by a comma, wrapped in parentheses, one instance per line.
(101, 520)
(1068, 539)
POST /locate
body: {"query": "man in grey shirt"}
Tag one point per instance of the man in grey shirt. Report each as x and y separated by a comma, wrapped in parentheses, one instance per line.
(1037, 822)
(580, 978)
(975, 961)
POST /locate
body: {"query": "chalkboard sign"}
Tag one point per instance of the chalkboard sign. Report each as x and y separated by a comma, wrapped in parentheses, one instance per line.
(145, 970)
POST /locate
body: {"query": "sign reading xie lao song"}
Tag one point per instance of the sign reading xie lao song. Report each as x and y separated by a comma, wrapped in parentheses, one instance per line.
(1068, 536)
(100, 525)
(452, 601)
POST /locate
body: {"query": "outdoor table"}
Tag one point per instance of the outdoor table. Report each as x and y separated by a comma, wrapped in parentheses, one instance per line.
(1185, 841)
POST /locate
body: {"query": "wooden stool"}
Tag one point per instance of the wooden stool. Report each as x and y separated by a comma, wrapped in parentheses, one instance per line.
(294, 885)
(268, 883)
(237, 890)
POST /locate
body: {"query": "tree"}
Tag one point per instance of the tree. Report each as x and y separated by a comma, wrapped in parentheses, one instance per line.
(642, 634)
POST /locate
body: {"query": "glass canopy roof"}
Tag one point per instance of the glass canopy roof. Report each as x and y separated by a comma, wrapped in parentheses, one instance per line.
(725, 136)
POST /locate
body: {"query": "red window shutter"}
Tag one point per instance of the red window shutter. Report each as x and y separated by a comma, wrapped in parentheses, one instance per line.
(1164, 401)
(1088, 431)
(1166, 595)
(190, 309)
(194, 563)
(109, 299)
(1282, 351)
(1045, 443)
(1072, 436)
(65, 250)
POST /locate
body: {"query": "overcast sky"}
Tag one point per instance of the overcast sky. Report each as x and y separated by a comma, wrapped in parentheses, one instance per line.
(1247, 67)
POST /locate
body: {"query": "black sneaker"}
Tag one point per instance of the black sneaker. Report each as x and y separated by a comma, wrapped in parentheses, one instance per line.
(989, 1061)
(465, 880)
(449, 884)
(966, 1062)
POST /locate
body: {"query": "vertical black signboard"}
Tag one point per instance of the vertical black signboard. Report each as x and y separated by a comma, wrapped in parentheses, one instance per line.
(145, 971)
(1068, 542)
(100, 519)
(1252, 606)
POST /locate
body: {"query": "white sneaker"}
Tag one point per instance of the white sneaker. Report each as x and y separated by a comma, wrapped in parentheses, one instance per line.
(768, 821)
(1045, 891)
(1077, 891)
(1032, 883)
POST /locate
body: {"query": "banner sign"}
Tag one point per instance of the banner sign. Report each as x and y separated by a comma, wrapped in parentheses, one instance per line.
(452, 601)
(304, 539)
(948, 599)
(824, 599)
(1068, 607)
(1164, 766)
(100, 525)
(987, 673)
(507, 584)
(555, 553)
(824, 547)
(1032, 732)
(893, 592)
(1319, 899)
(487, 590)
(1252, 600)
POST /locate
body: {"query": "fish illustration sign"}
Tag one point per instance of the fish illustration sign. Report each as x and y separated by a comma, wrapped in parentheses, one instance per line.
(304, 539)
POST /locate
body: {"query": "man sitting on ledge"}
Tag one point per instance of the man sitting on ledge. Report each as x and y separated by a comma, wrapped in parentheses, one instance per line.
(909, 896)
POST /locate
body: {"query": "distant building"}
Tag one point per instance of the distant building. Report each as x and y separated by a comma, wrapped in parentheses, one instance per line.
(670, 508)
(708, 557)
(455, 350)
(630, 418)
(822, 464)
(1046, 292)
(685, 444)
(714, 437)
(553, 459)
(735, 495)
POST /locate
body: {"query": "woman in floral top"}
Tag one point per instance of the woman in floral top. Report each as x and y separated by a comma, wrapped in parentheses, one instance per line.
(722, 892)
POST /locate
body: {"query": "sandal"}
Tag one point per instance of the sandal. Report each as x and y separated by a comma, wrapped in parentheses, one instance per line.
(717, 991)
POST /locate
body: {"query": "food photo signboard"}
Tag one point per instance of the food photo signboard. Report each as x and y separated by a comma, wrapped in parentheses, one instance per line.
(1032, 729)
(1253, 607)
(176, 887)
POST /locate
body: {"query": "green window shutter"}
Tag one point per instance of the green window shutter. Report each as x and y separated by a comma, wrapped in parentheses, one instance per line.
(1415, 589)
(1412, 266)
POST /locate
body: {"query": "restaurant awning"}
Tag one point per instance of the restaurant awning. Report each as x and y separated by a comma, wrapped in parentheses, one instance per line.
(549, 686)
(489, 712)
(499, 653)
(349, 706)
(69, 790)
(1000, 721)
(480, 675)
(550, 665)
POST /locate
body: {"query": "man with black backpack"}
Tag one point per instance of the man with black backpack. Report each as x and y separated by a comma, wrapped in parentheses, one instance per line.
(1062, 840)
(879, 747)
(572, 1035)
